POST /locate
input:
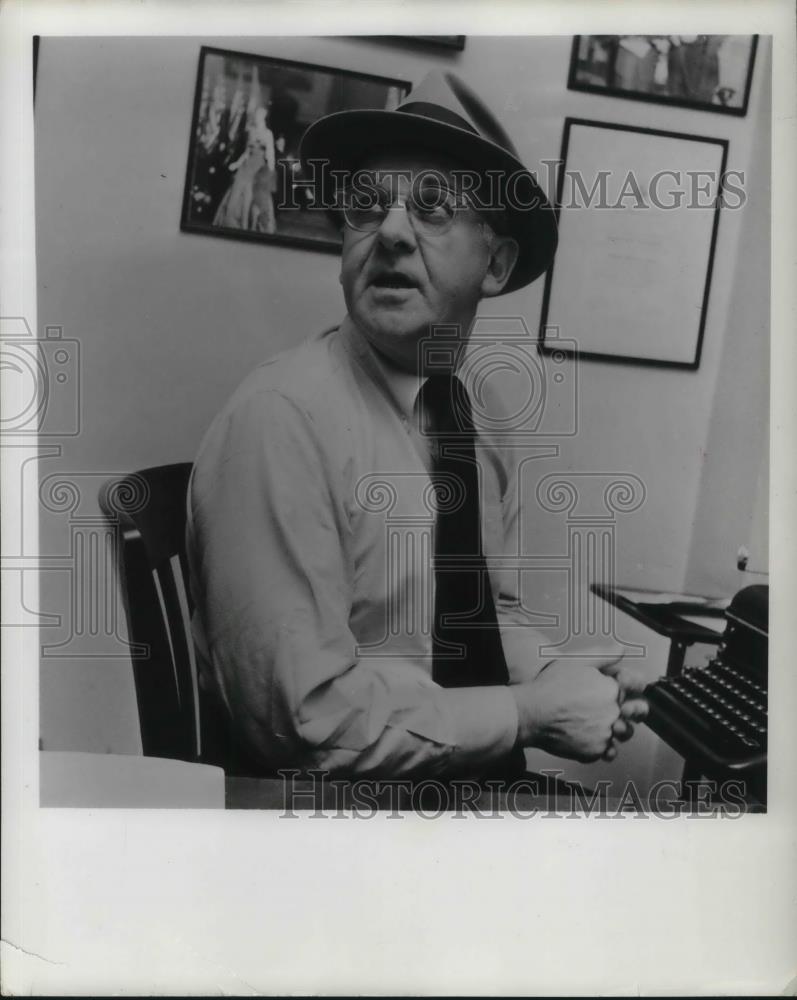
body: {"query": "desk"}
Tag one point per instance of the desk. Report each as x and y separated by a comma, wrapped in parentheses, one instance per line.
(86, 780)
(671, 619)
(331, 796)
(126, 781)
(269, 794)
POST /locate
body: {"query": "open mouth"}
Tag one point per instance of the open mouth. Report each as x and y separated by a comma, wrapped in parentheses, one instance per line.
(393, 280)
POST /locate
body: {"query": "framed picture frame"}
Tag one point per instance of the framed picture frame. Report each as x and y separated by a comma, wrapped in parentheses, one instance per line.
(243, 176)
(444, 41)
(637, 241)
(438, 41)
(704, 72)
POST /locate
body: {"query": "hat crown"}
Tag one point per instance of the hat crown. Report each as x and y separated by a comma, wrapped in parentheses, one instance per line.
(448, 99)
(443, 115)
(435, 89)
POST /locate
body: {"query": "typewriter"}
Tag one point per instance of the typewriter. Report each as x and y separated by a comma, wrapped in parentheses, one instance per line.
(716, 716)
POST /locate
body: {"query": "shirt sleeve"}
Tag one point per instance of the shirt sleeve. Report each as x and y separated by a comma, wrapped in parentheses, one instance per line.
(273, 580)
(521, 640)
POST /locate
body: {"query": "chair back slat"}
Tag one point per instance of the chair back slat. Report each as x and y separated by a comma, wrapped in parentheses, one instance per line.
(177, 718)
(180, 576)
(149, 508)
(168, 634)
(153, 671)
(178, 632)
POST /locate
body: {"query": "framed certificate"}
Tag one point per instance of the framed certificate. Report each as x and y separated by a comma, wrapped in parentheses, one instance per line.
(638, 213)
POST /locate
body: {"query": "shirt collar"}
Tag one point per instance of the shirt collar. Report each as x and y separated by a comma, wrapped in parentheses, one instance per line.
(401, 386)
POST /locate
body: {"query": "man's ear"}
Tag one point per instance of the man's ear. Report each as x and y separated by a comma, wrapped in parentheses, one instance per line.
(504, 252)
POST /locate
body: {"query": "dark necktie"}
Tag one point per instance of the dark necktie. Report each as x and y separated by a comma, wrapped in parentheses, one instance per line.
(467, 649)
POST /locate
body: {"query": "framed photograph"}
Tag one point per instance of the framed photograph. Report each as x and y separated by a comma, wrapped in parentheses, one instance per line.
(250, 113)
(707, 72)
(445, 41)
(441, 41)
(636, 241)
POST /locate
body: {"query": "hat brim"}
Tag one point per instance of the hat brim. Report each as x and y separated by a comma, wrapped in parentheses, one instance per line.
(343, 139)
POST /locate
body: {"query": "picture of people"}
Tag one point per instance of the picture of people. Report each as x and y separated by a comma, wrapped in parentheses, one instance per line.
(711, 72)
(244, 178)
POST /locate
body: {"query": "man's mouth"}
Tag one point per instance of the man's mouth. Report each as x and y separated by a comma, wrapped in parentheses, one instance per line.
(393, 279)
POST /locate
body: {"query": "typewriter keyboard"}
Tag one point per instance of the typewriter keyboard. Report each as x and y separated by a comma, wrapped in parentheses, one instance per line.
(723, 703)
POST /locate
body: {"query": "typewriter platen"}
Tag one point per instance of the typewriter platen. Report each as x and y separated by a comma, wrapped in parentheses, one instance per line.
(716, 716)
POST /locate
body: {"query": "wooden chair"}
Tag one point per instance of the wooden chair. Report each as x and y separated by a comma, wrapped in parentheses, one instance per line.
(177, 719)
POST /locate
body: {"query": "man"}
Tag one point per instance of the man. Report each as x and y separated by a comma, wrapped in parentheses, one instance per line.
(346, 615)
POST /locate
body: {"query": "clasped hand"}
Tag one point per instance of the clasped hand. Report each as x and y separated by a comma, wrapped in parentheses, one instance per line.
(579, 707)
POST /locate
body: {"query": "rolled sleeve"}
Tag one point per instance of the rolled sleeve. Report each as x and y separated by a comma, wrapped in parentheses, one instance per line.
(486, 724)
(521, 641)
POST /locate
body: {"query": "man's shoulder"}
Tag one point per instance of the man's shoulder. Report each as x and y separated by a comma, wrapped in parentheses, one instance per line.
(306, 374)
(298, 399)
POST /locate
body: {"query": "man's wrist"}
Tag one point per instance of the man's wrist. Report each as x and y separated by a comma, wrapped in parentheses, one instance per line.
(485, 721)
(528, 721)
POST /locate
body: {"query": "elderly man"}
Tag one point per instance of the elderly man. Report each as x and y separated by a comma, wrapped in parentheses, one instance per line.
(327, 644)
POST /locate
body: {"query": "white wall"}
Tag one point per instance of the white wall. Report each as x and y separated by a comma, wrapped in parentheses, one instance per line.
(735, 467)
(169, 322)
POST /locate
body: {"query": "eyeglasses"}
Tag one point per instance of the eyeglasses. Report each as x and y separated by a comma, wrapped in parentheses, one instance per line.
(432, 208)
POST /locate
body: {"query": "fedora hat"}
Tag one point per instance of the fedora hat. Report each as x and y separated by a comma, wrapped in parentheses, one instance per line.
(444, 115)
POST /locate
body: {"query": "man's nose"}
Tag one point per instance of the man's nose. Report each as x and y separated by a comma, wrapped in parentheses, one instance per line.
(396, 231)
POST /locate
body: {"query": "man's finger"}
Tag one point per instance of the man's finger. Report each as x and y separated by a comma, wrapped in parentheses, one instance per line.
(634, 709)
(610, 753)
(607, 663)
(631, 679)
(622, 730)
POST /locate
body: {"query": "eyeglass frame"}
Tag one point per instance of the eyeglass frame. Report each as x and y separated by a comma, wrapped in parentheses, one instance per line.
(463, 203)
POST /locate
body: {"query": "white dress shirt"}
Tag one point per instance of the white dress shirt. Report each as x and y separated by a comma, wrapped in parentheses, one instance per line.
(310, 542)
